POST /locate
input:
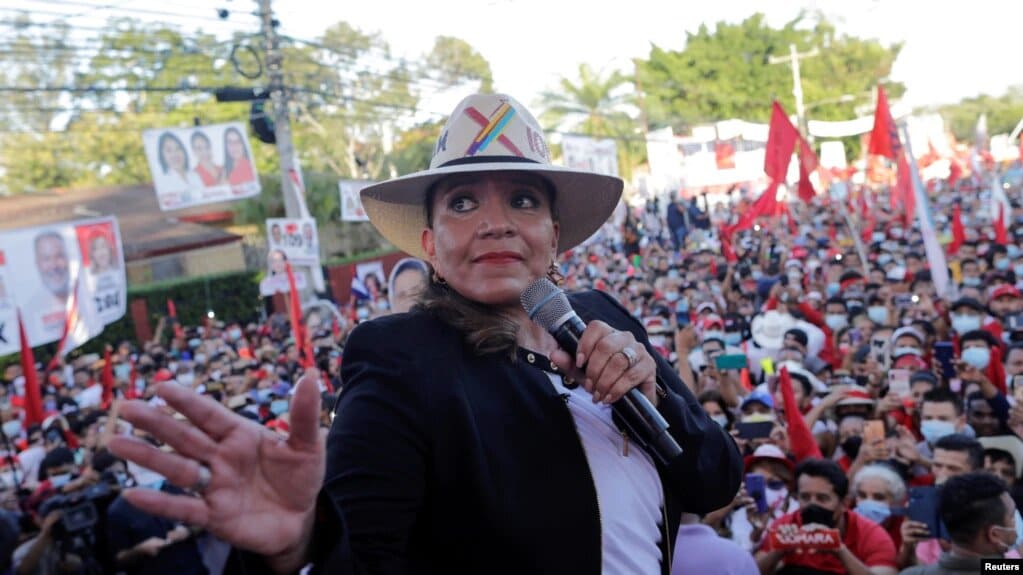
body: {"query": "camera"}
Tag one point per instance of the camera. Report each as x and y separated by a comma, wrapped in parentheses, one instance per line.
(80, 529)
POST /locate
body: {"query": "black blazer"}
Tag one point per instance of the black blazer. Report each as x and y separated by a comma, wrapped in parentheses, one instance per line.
(440, 461)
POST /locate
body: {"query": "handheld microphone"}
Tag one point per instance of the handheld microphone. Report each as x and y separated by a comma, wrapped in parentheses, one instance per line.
(548, 306)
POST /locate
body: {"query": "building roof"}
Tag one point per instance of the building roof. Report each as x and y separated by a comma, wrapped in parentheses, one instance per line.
(145, 231)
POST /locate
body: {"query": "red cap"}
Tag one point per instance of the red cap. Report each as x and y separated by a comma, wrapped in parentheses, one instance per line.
(1005, 290)
(910, 361)
(162, 375)
(279, 425)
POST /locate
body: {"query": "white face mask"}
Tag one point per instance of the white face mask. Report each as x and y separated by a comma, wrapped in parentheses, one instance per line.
(186, 378)
(12, 429)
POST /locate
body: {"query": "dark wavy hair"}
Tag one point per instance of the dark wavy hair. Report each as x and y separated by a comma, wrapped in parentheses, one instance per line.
(159, 150)
(228, 160)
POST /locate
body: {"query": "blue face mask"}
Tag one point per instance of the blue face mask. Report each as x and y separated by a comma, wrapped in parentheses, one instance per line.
(194, 343)
(933, 430)
(836, 321)
(884, 259)
(1012, 250)
(122, 371)
(733, 338)
(278, 406)
(962, 324)
(833, 289)
(875, 511)
(1002, 264)
(671, 296)
(1018, 270)
(878, 314)
(978, 357)
(971, 282)
(901, 351)
(877, 237)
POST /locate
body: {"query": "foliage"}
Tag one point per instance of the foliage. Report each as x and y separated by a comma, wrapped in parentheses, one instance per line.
(1003, 113)
(455, 61)
(595, 104)
(725, 73)
(85, 102)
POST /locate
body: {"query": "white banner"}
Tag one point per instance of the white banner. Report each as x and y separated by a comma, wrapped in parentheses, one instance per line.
(201, 165)
(50, 273)
(584, 153)
(351, 204)
(296, 238)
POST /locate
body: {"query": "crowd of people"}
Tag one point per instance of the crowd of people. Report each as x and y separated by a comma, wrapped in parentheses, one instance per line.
(881, 414)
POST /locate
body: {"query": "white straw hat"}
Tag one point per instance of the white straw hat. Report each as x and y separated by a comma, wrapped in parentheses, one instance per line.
(489, 133)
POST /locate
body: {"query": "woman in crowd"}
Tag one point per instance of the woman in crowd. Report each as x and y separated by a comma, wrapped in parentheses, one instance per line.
(466, 440)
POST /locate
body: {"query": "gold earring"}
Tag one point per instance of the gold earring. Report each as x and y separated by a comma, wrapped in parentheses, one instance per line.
(554, 274)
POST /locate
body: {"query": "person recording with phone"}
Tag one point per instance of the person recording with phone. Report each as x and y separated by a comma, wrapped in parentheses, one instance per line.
(466, 439)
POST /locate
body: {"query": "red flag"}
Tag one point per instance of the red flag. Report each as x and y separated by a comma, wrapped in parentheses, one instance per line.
(714, 267)
(807, 165)
(1001, 235)
(884, 138)
(767, 205)
(295, 311)
(107, 380)
(726, 245)
(904, 190)
(172, 311)
(958, 231)
(832, 232)
(335, 328)
(131, 392)
(801, 440)
(33, 395)
(781, 141)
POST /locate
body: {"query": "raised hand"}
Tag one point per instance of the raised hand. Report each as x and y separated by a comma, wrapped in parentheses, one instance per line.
(253, 488)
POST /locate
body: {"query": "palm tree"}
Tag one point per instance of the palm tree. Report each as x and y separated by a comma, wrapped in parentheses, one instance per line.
(595, 105)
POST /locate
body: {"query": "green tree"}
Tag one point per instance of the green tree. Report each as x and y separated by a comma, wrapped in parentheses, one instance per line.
(1003, 113)
(454, 61)
(724, 73)
(596, 104)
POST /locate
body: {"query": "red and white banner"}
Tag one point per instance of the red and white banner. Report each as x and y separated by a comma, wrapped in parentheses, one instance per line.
(67, 279)
(201, 165)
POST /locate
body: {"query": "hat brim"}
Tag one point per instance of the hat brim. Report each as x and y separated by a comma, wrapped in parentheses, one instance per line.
(583, 201)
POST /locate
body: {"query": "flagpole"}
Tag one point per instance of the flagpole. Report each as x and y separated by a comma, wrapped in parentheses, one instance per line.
(923, 213)
(859, 244)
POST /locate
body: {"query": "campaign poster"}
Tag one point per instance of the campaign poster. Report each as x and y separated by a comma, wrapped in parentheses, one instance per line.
(296, 238)
(592, 155)
(371, 274)
(53, 273)
(351, 203)
(200, 165)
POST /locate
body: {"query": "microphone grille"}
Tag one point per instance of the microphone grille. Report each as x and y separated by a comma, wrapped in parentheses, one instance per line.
(545, 303)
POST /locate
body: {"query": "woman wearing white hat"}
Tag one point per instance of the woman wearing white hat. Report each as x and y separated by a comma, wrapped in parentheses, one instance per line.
(462, 442)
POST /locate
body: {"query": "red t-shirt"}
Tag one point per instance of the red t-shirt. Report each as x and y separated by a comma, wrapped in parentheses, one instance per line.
(867, 540)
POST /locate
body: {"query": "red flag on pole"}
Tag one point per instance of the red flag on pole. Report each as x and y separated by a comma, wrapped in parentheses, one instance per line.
(1001, 234)
(107, 380)
(33, 395)
(295, 311)
(781, 141)
(807, 165)
(801, 440)
(958, 231)
(726, 245)
(131, 392)
(172, 311)
(884, 138)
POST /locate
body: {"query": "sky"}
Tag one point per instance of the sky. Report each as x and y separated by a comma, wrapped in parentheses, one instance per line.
(952, 49)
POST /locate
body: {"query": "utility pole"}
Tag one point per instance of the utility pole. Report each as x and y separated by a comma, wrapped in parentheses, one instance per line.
(279, 99)
(797, 83)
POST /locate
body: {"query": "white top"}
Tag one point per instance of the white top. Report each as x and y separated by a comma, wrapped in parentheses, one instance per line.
(629, 490)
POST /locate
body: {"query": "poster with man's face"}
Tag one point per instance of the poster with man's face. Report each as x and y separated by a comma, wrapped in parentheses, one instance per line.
(72, 269)
(295, 238)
